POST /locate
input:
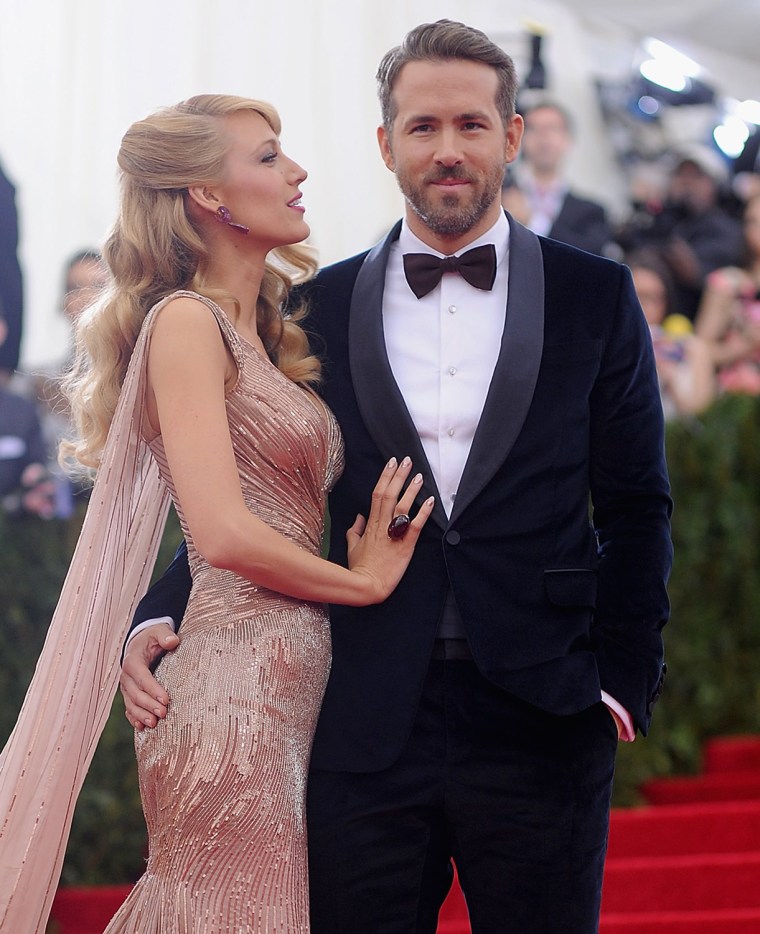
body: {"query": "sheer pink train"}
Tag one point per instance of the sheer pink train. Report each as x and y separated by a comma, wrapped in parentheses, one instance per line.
(46, 758)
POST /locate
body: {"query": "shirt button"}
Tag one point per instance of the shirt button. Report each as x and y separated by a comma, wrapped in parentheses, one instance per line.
(451, 432)
(452, 309)
(452, 370)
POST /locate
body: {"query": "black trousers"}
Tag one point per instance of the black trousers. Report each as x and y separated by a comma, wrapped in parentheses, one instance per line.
(519, 798)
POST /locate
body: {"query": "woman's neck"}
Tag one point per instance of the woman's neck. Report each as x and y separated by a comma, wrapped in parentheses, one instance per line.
(241, 279)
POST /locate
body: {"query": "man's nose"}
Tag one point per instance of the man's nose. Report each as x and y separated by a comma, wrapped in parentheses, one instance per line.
(448, 150)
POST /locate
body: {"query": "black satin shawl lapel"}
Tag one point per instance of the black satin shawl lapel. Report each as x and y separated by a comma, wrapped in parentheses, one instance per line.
(516, 372)
(379, 399)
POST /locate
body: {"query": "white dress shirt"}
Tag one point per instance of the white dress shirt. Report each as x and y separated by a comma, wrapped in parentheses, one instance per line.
(442, 349)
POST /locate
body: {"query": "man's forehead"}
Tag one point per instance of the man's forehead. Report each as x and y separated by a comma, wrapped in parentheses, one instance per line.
(429, 87)
(450, 72)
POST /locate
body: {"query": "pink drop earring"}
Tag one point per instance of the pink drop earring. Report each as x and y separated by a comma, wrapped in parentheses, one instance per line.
(224, 217)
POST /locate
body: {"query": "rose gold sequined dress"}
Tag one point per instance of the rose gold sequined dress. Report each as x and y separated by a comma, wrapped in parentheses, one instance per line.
(223, 777)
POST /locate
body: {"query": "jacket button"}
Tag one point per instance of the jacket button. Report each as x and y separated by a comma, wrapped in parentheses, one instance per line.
(452, 537)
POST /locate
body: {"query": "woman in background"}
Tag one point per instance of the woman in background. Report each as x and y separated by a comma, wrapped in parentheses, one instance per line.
(684, 366)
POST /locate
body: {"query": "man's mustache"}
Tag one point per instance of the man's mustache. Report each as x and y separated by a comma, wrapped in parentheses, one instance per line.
(455, 173)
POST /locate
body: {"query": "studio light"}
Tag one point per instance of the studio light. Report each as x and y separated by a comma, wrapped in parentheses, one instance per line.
(731, 135)
(663, 74)
(670, 60)
(671, 77)
(748, 111)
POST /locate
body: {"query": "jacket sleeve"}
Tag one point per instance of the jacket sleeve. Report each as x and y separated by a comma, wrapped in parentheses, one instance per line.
(631, 509)
(170, 593)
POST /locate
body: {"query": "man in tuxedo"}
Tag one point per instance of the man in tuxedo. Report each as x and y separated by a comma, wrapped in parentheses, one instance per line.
(475, 714)
(542, 197)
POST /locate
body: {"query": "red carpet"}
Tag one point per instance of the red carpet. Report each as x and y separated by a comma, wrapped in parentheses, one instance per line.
(687, 863)
(85, 911)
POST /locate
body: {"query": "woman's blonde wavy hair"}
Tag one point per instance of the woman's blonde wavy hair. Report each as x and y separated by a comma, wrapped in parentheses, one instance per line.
(156, 248)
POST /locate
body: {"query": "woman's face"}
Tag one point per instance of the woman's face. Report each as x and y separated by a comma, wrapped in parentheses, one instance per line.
(651, 292)
(752, 227)
(260, 187)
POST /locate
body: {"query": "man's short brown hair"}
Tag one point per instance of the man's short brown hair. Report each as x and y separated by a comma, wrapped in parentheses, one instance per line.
(446, 40)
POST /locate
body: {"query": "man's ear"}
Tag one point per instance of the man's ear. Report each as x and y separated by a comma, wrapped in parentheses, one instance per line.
(204, 197)
(515, 130)
(3, 331)
(383, 141)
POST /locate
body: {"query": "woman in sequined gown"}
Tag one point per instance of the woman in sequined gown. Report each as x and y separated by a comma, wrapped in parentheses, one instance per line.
(218, 393)
(223, 777)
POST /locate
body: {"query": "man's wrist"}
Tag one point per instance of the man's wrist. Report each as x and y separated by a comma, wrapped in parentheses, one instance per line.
(628, 733)
(146, 624)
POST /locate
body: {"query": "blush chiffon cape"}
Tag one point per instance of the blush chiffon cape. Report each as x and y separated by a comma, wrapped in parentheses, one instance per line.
(45, 761)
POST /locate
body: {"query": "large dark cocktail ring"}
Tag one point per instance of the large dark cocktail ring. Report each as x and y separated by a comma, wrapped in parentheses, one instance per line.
(399, 526)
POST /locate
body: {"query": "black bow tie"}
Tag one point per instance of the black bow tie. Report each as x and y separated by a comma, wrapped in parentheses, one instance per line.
(423, 271)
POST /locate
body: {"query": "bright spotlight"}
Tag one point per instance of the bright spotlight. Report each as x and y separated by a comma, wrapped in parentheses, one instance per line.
(731, 135)
(676, 61)
(749, 111)
(664, 74)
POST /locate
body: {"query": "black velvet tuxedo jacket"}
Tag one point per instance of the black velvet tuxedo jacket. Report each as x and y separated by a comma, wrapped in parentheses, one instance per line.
(555, 608)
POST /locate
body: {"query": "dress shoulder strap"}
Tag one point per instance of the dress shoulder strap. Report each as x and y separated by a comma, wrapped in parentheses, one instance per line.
(230, 335)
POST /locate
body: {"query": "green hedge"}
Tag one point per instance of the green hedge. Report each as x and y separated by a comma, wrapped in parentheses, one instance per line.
(712, 641)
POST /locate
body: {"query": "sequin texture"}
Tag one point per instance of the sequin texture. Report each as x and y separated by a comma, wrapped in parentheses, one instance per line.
(223, 777)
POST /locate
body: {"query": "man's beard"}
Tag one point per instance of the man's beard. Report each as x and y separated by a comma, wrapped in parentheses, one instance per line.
(451, 218)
